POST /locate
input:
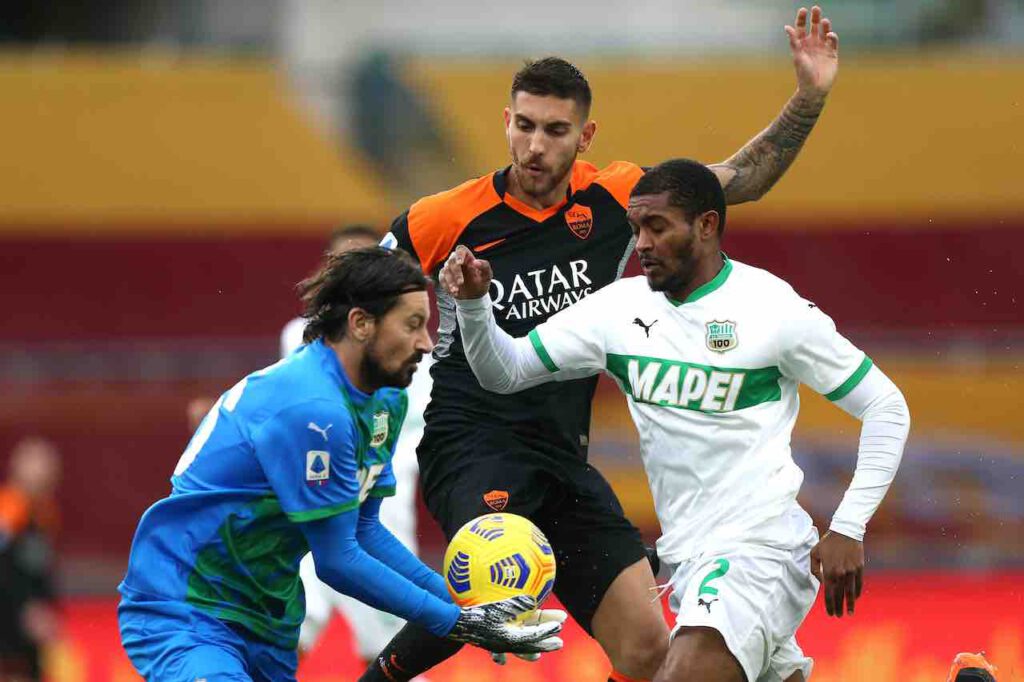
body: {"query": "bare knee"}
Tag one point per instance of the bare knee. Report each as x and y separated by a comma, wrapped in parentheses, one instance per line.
(639, 654)
(700, 654)
(629, 626)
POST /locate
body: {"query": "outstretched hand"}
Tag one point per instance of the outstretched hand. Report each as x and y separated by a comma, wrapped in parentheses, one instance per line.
(815, 52)
(464, 275)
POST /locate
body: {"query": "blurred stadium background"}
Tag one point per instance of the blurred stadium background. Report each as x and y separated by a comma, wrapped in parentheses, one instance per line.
(169, 169)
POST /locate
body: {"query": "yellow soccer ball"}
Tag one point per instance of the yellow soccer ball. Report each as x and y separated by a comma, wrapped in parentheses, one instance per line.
(497, 556)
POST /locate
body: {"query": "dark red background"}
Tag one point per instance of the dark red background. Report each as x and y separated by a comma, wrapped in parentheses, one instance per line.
(123, 436)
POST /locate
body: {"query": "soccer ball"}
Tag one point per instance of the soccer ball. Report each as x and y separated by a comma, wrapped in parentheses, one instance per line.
(497, 556)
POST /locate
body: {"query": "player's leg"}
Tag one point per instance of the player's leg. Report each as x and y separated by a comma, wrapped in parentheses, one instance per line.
(742, 604)
(604, 576)
(629, 624)
(414, 650)
(700, 653)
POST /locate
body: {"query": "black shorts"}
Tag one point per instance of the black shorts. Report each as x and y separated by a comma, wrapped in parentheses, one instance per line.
(569, 500)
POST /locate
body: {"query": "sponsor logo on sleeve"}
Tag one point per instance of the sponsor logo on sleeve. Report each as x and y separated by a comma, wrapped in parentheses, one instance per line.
(313, 426)
(318, 466)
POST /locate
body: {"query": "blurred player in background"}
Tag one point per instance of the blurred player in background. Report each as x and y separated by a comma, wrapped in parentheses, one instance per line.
(710, 352)
(371, 629)
(28, 522)
(293, 458)
(555, 230)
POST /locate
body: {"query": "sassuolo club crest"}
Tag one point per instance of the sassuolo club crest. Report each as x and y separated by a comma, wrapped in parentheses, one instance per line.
(721, 336)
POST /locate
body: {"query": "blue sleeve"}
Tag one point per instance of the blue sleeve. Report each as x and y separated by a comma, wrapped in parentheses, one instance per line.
(379, 543)
(386, 483)
(307, 453)
(344, 565)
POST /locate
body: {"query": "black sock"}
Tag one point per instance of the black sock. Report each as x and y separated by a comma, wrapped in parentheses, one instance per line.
(412, 651)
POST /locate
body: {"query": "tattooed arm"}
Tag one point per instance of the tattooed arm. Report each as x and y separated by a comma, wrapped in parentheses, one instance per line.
(749, 173)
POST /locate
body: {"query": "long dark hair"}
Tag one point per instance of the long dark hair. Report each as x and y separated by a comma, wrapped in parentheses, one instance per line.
(371, 279)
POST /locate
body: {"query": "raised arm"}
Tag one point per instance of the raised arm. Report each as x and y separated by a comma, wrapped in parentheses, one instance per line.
(749, 173)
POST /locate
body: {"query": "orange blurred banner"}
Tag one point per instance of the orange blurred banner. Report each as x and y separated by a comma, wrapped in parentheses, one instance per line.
(907, 628)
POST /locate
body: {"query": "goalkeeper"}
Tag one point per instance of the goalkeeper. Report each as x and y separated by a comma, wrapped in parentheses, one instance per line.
(296, 458)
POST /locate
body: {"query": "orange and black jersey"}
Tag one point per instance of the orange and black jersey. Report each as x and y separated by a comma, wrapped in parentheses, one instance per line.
(543, 261)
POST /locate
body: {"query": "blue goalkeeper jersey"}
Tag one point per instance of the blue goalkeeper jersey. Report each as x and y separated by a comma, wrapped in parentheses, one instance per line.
(291, 443)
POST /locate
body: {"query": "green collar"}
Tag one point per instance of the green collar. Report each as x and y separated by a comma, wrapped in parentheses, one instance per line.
(706, 288)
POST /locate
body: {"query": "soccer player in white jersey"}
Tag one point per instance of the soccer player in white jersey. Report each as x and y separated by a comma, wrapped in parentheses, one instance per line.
(371, 629)
(710, 353)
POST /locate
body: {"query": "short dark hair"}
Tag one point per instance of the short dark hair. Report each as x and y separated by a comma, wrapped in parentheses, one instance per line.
(691, 186)
(354, 231)
(371, 278)
(553, 76)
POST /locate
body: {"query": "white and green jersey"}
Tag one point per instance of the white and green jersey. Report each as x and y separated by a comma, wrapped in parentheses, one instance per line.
(712, 387)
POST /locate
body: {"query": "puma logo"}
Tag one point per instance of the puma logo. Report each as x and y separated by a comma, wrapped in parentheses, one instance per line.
(313, 426)
(705, 604)
(646, 327)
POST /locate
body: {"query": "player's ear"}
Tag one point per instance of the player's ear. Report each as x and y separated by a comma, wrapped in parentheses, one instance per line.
(360, 324)
(708, 224)
(587, 136)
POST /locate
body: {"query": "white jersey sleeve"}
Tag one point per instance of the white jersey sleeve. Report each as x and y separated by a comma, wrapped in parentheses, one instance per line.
(572, 342)
(504, 364)
(813, 352)
(291, 336)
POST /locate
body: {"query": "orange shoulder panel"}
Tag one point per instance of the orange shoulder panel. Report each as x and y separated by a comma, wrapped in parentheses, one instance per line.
(618, 178)
(14, 511)
(437, 221)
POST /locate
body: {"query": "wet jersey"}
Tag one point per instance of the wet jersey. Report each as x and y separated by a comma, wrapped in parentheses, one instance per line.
(291, 443)
(543, 262)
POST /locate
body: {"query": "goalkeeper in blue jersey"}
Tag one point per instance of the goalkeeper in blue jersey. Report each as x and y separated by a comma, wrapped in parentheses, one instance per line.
(296, 458)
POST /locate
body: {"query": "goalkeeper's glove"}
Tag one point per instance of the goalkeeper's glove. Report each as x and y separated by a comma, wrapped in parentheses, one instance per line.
(492, 627)
(535, 618)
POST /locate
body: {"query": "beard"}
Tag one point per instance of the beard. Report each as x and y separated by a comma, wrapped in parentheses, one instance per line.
(377, 375)
(678, 277)
(540, 186)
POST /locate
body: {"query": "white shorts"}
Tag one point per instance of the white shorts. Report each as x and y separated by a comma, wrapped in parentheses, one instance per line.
(754, 595)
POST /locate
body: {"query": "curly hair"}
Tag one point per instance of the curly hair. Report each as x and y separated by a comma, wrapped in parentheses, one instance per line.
(691, 186)
(371, 279)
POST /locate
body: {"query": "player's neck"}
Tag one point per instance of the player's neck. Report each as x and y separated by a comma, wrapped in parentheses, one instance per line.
(553, 198)
(707, 269)
(350, 357)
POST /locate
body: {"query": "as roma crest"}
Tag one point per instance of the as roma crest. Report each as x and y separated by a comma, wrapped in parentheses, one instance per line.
(580, 220)
(496, 499)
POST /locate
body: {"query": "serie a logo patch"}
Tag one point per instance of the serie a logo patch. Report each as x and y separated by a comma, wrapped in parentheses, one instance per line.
(318, 466)
(380, 429)
(721, 336)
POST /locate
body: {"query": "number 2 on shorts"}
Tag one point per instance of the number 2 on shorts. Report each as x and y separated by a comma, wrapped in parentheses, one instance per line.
(722, 567)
